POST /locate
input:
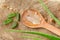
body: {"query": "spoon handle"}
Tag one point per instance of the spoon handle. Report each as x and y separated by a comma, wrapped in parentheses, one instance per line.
(52, 29)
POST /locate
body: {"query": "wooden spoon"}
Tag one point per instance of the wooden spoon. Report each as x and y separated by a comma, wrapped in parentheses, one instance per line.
(33, 19)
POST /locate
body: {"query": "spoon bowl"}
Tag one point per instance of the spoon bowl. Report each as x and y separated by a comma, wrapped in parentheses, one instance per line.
(28, 18)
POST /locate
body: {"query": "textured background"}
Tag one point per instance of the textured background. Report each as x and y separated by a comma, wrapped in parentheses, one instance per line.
(8, 6)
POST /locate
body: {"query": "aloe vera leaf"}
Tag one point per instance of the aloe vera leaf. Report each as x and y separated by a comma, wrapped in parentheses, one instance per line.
(51, 37)
(49, 12)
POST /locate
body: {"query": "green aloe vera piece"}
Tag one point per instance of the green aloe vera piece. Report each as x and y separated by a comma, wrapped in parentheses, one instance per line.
(18, 16)
(51, 37)
(49, 12)
(11, 15)
(7, 21)
(14, 25)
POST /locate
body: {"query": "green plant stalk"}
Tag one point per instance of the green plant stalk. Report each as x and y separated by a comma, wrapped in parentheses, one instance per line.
(34, 38)
(49, 12)
(51, 37)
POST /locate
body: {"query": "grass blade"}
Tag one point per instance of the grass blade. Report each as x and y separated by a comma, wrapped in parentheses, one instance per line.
(51, 37)
(34, 38)
(49, 12)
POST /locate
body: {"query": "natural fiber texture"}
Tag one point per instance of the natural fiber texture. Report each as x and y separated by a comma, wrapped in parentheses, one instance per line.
(21, 5)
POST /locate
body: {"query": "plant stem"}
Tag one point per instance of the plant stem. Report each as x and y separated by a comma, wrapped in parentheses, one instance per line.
(49, 12)
(51, 37)
(34, 38)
